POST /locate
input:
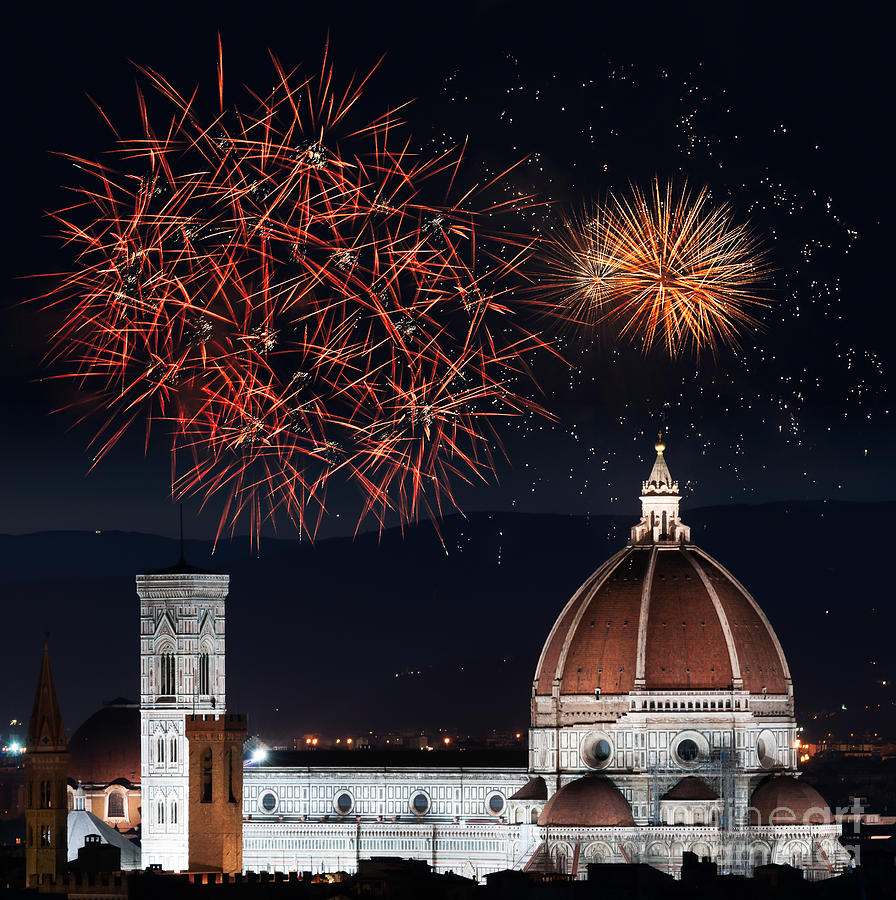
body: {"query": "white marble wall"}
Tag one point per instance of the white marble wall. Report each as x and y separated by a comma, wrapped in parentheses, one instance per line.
(182, 614)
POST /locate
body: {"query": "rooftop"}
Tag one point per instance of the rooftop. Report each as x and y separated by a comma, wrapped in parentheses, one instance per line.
(395, 759)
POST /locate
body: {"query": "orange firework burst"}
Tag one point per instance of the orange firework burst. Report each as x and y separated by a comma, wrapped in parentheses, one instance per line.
(662, 266)
(273, 286)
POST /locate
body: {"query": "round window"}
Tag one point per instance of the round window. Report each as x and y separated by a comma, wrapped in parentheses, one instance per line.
(495, 803)
(597, 751)
(420, 803)
(687, 750)
(268, 802)
(766, 750)
(600, 750)
(344, 803)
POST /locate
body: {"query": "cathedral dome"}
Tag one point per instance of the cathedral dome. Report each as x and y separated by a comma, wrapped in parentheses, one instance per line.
(588, 801)
(661, 615)
(534, 789)
(691, 788)
(785, 800)
(107, 745)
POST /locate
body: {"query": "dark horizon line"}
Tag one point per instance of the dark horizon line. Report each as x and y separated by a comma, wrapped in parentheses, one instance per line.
(454, 515)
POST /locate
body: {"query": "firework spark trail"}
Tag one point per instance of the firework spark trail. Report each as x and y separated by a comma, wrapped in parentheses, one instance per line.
(662, 266)
(273, 287)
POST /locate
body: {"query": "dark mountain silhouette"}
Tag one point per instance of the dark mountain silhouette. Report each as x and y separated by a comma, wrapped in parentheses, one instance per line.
(387, 630)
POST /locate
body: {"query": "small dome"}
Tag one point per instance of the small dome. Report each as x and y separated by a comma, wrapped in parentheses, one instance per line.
(588, 801)
(106, 747)
(785, 800)
(534, 789)
(691, 788)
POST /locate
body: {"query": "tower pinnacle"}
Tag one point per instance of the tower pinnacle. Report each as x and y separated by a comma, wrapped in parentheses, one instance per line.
(660, 522)
(45, 730)
(46, 766)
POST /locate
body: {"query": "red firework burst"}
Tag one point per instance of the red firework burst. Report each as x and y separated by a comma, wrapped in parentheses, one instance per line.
(273, 286)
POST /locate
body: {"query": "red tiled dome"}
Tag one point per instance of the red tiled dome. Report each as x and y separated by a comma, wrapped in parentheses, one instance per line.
(691, 788)
(587, 801)
(107, 746)
(785, 800)
(534, 789)
(668, 614)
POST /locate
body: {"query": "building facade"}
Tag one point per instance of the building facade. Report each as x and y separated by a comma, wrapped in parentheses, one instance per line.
(104, 765)
(662, 721)
(181, 674)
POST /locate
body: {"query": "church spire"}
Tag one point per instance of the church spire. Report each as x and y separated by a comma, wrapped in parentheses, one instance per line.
(45, 730)
(46, 766)
(660, 522)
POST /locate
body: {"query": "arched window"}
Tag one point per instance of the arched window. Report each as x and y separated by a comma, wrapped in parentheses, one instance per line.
(205, 775)
(46, 836)
(167, 672)
(160, 812)
(173, 755)
(160, 750)
(232, 798)
(174, 812)
(116, 805)
(204, 680)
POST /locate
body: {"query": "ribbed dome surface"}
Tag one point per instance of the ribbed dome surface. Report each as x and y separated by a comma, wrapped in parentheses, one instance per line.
(107, 746)
(784, 800)
(669, 617)
(587, 801)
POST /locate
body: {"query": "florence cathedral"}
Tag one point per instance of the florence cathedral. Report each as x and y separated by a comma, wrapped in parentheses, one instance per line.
(662, 721)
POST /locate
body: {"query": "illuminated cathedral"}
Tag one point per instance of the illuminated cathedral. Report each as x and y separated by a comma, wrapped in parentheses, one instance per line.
(662, 721)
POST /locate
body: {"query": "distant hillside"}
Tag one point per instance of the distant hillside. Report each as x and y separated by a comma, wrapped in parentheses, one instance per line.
(333, 635)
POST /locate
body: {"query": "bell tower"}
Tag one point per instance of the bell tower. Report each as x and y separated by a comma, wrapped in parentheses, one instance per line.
(181, 674)
(46, 798)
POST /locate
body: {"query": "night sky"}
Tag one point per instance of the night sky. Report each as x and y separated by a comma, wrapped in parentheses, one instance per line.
(781, 113)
